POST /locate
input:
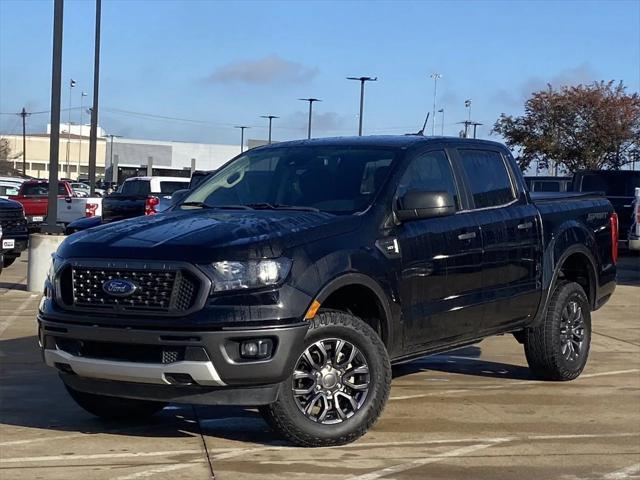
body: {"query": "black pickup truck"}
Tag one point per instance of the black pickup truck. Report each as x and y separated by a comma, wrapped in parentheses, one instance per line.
(15, 235)
(294, 277)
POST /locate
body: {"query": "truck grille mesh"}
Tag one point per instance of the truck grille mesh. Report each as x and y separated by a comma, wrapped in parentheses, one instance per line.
(12, 221)
(156, 290)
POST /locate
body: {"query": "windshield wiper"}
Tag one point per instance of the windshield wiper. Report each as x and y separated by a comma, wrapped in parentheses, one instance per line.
(219, 207)
(277, 206)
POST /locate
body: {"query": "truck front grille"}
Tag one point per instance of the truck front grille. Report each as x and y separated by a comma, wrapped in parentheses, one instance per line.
(13, 221)
(156, 291)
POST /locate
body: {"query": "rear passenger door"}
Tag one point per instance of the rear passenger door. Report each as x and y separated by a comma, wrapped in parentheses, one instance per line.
(440, 284)
(509, 227)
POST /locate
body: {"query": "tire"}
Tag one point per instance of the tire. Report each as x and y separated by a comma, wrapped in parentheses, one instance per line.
(114, 408)
(550, 352)
(8, 261)
(337, 413)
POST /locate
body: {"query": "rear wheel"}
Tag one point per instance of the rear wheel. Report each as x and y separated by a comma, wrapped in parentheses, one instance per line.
(114, 408)
(559, 347)
(339, 385)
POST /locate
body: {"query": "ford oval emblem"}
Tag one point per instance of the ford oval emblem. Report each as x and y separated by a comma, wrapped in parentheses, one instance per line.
(119, 288)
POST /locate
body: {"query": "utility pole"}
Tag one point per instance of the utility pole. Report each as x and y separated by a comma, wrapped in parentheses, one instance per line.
(310, 100)
(82, 95)
(54, 139)
(442, 122)
(72, 83)
(24, 116)
(111, 136)
(475, 125)
(270, 117)
(362, 81)
(93, 135)
(436, 77)
(242, 129)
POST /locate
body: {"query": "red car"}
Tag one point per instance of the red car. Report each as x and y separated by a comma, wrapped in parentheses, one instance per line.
(34, 197)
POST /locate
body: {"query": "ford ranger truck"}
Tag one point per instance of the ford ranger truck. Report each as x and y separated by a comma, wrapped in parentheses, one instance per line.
(294, 277)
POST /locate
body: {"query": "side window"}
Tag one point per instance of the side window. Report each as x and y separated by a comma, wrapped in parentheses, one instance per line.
(430, 171)
(488, 178)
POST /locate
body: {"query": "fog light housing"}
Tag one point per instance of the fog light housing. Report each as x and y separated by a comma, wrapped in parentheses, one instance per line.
(256, 349)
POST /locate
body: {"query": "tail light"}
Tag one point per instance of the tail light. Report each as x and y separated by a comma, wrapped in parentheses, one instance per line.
(613, 220)
(90, 209)
(150, 205)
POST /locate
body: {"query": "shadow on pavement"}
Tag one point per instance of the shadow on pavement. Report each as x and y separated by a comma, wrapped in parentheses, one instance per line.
(32, 396)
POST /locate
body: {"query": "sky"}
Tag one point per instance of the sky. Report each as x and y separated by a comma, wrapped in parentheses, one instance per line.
(192, 70)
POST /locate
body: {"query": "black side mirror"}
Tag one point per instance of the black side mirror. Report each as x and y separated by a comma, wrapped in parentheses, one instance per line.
(178, 196)
(419, 204)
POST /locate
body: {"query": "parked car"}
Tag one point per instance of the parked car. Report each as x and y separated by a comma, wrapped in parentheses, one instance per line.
(548, 184)
(86, 189)
(15, 235)
(294, 277)
(8, 188)
(137, 196)
(34, 197)
(617, 185)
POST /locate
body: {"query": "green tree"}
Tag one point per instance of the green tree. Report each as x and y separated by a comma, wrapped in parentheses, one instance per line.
(593, 126)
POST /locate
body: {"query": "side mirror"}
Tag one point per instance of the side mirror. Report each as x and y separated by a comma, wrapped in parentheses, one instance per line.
(419, 204)
(178, 196)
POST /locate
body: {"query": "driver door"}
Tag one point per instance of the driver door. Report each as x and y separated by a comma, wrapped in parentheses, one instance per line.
(440, 278)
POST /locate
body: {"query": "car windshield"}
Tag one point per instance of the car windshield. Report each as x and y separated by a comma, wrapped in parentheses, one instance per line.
(340, 180)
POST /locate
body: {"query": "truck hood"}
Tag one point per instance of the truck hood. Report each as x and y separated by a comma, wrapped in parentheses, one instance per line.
(203, 236)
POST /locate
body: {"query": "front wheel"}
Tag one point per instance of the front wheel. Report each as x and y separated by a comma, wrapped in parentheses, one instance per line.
(114, 408)
(559, 347)
(339, 385)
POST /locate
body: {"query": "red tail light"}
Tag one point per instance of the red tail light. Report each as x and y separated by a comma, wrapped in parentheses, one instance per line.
(613, 220)
(90, 209)
(150, 205)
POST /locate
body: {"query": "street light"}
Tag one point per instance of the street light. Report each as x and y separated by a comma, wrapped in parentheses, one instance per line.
(467, 104)
(362, 80)
(111, 136)
(82, 95)
(270, 117)
(310, 100)
(72, 83)
(436, 77)
(442, 122)
(242, 128)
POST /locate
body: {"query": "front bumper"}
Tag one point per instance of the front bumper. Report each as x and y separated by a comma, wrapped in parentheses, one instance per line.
(169, 364)
(19, 245)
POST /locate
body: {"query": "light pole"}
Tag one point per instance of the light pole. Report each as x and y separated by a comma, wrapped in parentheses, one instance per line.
(436, 77)
(442, 122)
(242, 129)
(82, 95)
(72, 83)
(93, 133)
(111, 136)
(362, 81)
(467, 104)
(310, 100)
(270, 117)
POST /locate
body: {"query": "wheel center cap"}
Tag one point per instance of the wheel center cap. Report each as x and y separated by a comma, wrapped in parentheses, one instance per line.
(329, 380)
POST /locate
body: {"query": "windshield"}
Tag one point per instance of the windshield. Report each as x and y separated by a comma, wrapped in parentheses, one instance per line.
(339, 179)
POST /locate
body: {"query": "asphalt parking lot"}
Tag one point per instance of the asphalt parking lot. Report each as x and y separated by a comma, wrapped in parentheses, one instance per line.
(473, 413)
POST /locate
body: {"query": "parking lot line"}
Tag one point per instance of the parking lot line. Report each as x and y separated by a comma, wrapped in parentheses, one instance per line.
(402, 467)
(21, 308)
(154, 471)
(507, 385)
(623, 473)
(95, 456)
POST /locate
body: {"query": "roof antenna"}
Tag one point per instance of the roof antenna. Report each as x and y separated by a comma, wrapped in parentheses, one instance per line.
(420, 132)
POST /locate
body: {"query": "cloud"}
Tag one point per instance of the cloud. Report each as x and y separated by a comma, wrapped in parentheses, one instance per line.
(323, 123)
(267, 70)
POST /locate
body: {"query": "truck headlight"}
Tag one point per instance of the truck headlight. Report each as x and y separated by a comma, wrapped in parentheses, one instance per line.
(250, 274)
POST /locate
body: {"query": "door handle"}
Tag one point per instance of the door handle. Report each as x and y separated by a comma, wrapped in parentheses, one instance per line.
(467, 236)
(525, 226)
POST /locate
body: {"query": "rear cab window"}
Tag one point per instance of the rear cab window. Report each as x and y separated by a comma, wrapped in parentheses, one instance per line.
(168, 187)
(614, 184)
(136, 187)
(488, 177)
